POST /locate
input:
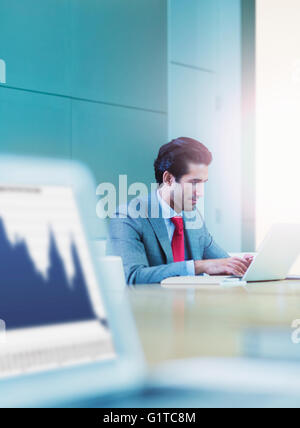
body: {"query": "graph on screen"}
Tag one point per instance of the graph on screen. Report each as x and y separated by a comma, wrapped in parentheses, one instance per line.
(42, 279)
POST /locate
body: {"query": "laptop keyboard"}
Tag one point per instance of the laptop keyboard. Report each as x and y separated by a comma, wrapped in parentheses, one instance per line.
(54, 357)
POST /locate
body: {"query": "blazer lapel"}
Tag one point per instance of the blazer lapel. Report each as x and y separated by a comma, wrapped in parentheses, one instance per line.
(158, 223)
(193, 224)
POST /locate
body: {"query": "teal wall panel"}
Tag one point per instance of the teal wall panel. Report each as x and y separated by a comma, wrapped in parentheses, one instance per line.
(119, 52)
(34, 124)
(192, 104)
(115, 140)
(86, 79)
(35, 43)
(194, 32)
(113, 51)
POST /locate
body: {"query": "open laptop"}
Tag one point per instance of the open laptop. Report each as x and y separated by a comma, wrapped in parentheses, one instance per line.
(276, 254)
(273, 260)
(55, 325)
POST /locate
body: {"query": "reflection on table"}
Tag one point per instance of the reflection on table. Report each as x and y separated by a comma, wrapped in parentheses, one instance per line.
(255, 320)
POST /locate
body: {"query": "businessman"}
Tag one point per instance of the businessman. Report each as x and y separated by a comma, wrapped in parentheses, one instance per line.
(170, 238)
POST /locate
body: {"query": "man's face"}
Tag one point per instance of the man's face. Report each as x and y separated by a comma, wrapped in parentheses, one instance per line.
(190, 188)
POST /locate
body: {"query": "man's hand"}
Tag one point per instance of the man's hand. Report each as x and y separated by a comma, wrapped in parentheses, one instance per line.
(231, 266)
(249, 258)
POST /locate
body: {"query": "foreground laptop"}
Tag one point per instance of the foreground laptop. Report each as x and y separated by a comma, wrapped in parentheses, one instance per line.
(59, 337)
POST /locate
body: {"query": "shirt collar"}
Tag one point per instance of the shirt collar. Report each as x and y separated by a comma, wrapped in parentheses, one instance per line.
(167, 211)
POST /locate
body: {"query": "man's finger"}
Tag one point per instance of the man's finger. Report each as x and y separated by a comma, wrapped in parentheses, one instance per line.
(248, 257)
(241, 264)
(240, 261)
(237, 273)
(236, 270)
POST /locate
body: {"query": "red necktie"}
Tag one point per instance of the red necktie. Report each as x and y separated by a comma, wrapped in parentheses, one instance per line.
(178, 240)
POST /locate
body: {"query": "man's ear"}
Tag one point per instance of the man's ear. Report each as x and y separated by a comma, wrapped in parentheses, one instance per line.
(168, 178)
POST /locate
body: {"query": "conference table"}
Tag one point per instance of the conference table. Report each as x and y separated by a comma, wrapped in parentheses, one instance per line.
(257, 320)
(235, 330)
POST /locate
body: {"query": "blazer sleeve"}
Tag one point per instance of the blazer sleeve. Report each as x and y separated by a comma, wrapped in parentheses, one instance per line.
(125, 240)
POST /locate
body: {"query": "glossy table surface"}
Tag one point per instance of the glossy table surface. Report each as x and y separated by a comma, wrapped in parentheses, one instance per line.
(213, 321)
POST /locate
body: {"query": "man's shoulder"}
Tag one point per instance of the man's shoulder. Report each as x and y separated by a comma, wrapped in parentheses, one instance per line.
(140, 207)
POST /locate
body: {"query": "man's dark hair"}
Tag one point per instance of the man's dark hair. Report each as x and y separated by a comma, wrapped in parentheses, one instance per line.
(175, 156)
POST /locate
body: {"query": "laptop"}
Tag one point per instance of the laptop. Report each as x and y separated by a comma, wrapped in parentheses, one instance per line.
(272, 262)
(65, 338)
(56, 325)
(276, 254)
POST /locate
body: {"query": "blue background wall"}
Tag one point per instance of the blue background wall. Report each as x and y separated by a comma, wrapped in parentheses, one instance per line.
(87, 80)
(109, 81)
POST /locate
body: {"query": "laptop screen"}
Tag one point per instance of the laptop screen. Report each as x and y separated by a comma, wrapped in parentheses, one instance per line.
(47, 283)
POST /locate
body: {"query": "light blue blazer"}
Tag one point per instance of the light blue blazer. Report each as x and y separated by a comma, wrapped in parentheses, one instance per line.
(144, 244)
